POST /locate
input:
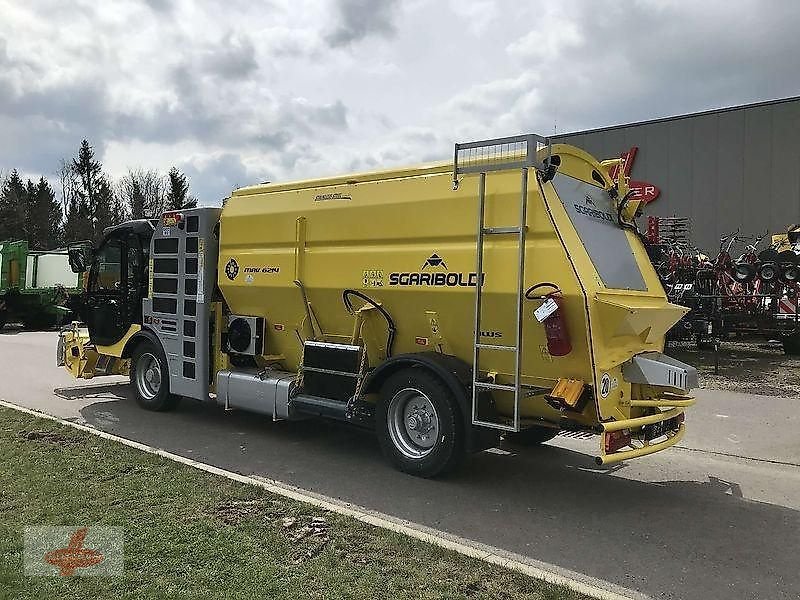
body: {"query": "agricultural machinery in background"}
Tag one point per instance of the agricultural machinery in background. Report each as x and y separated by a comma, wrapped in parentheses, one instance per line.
(35, 287)
(750, 287)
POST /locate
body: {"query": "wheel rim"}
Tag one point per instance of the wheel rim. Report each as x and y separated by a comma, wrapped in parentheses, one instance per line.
(413, 423)
(148, 376)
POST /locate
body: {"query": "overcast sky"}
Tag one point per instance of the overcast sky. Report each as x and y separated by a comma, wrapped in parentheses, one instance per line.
(243, 91)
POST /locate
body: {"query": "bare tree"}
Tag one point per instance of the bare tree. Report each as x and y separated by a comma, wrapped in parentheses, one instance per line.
(143, 193)
(67, 184)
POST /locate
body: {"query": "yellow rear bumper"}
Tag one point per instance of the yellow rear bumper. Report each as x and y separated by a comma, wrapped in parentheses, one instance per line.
(671, 406)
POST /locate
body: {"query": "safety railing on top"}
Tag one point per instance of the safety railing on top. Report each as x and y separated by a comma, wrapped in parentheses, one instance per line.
(499, 154)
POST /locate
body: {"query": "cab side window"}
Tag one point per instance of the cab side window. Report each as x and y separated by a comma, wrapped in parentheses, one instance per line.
(108, 265)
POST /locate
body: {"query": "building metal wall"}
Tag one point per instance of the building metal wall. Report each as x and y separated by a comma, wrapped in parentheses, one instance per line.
(725, 169)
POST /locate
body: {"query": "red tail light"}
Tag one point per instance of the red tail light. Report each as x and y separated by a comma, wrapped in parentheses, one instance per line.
(617, 439)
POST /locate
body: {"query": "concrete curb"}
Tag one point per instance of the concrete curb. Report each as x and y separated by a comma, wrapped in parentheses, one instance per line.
(589, 586)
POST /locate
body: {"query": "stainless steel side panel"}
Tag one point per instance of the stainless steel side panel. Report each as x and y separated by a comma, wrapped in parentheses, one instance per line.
(264, 392)
(180, 315)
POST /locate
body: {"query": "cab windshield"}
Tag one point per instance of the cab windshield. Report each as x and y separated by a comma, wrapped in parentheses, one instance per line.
(107, 269)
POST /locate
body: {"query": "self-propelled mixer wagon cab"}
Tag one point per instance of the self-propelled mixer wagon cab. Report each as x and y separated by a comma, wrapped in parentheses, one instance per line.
(505, 293)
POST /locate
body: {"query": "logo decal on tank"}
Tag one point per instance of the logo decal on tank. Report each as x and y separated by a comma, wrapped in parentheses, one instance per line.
(232, 269)
(442, 277)
(594, 212)
(434, 260)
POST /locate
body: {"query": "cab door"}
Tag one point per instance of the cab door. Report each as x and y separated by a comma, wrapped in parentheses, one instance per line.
(114, 296)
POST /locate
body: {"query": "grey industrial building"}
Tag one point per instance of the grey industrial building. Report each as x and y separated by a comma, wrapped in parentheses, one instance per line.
(725, 169)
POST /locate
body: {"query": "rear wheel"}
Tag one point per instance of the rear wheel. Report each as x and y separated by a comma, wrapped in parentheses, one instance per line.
(3, 317)
(150, 378)
(532, 436)
(419, 424)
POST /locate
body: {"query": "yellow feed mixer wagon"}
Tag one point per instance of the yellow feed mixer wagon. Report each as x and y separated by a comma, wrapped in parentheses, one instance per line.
(505, 293)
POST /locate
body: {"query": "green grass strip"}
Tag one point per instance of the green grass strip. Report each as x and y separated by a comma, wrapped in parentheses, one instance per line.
(190, 534)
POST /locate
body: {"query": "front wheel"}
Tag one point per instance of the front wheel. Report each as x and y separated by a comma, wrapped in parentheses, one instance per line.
(150, 378)
(419, 424)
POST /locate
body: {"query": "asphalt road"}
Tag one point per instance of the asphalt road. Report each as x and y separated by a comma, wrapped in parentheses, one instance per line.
(715, 518)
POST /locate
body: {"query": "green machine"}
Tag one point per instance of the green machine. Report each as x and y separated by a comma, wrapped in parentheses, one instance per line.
(35, 286)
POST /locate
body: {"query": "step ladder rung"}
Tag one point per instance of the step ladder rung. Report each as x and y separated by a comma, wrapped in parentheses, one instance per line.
(515, 388)
(497, 347)
(493, 425)
(495, 386)
(501, 230)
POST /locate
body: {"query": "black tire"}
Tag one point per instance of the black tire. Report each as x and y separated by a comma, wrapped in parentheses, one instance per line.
(429, 401)
(3, 317)
(148, 360)
(532, 436)
(791, 344)
(39, 322)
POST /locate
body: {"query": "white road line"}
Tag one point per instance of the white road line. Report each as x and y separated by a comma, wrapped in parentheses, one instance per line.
(590, 586)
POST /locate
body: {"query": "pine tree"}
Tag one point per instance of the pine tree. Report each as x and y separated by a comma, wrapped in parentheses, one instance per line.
(93, 205)
(13, 208)
(78, 222)
(107, 210)
(28, 214)
(44, 216)
(137, 201)
(178, 191)
(89, 172)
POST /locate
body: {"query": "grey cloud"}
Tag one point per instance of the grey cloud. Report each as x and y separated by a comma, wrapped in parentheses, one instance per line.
(214, 180)
(161, 6)
(44, 122)
(632, 62)
(311, 117)
(269, 127)
(715, 58)
(359, 19)
(308, 110)
(21, 145)
(272, 140)
(414, 145)
(233, 58)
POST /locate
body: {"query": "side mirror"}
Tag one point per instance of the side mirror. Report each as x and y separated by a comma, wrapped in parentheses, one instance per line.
(79, 258)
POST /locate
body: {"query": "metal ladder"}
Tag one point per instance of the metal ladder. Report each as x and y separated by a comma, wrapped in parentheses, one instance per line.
(501, 154)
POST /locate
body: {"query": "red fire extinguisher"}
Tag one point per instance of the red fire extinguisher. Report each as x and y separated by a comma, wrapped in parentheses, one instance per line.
(551, 314)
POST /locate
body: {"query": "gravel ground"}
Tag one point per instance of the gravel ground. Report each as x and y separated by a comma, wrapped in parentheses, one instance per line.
(747, 367)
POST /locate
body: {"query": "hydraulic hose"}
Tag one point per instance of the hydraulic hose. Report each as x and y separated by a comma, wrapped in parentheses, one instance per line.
(620, 208)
